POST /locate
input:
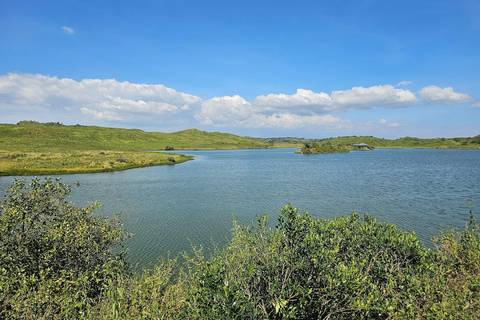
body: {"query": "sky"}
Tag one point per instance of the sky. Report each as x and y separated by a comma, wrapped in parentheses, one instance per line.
(310, 69)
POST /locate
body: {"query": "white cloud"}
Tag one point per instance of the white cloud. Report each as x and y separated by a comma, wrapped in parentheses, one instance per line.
(68, 30)
(226, 109)
(303, 108)
(475, 106)
(437, 95)
(292, 121)
(303, 101)
(309, 102)
(237, 112)
(105, 115)
(377, 96)
(390, 124)
(101, 99)
(403, 83)
(122, 104)
(45, 98)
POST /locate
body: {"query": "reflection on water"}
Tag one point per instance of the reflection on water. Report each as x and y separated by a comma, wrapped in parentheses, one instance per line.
(169, 206)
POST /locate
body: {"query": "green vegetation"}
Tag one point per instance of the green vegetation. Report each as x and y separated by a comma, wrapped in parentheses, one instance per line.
(37, 137)
(32, 148)
(406, 142)
(314, 147)
(45, 163)
(55, 258)
(59, 262)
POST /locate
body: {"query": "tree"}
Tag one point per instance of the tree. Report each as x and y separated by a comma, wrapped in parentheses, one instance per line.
(52, 250)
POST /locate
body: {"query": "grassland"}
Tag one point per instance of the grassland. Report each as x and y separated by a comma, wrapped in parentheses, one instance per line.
(46, 163)
(38, 137)
(32, 148)
(405, 142)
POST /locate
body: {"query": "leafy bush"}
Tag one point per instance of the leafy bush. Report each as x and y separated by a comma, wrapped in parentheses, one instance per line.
(452, 289)
(153, 294)
(55, 258)
(58, 261)
(345, 268)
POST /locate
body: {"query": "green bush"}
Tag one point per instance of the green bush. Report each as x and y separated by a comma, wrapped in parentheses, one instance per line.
(153, 294)
(58, 261)
(452, 290)
(55, 258)
(345, 268)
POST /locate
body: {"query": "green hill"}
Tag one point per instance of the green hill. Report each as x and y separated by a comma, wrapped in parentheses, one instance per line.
(34, 136)
(32, 148)
(405, 142)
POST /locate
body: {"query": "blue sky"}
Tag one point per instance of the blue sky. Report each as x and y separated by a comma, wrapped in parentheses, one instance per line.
(310, 69)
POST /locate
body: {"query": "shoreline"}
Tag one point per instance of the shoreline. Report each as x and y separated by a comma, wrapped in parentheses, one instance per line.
(79, 162)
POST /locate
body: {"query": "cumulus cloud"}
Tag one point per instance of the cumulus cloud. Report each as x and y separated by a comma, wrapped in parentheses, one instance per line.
(291, 121)
(303, 101)
(303, 108)
(475, 106)
(437, 95)
(377, 96)
(237, 112)
(109, 100)
(403, 83)
(390, 124)
(68, 30)
(105, 115)
(308, 102)
(101, 99)
(225, 109)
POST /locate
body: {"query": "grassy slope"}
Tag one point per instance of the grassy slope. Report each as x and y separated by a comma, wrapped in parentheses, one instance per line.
(46, 163)
(32, 148)
(406, 142)
(41, 137)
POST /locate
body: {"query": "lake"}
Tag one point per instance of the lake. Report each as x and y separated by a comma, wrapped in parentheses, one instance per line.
(169, 207)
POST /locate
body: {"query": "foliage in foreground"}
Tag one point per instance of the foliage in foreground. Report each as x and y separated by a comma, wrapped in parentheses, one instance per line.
(350, 267)
(55, 258)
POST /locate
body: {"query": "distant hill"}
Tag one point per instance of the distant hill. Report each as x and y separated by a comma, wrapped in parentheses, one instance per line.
(34, 136)
(406, 142)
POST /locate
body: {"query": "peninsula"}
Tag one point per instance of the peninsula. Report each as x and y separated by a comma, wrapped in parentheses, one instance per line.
(33, 148)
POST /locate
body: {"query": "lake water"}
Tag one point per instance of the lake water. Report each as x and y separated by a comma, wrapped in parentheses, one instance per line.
(168, 207)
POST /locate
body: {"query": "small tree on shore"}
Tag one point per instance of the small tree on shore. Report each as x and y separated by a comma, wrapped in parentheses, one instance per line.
(52, 250)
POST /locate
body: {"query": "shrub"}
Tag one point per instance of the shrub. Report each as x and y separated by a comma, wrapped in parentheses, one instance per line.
(452, 289)
(55, 258)
(345, 268)
(153, 294)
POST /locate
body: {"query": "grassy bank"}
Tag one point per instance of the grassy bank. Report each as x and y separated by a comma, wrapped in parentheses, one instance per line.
(48, 163)
(32, 148)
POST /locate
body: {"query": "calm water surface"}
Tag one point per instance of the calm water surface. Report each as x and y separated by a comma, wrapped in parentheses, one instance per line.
(168, 206)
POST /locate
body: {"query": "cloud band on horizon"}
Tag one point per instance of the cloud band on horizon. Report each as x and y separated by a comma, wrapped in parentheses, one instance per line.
(111, 100)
